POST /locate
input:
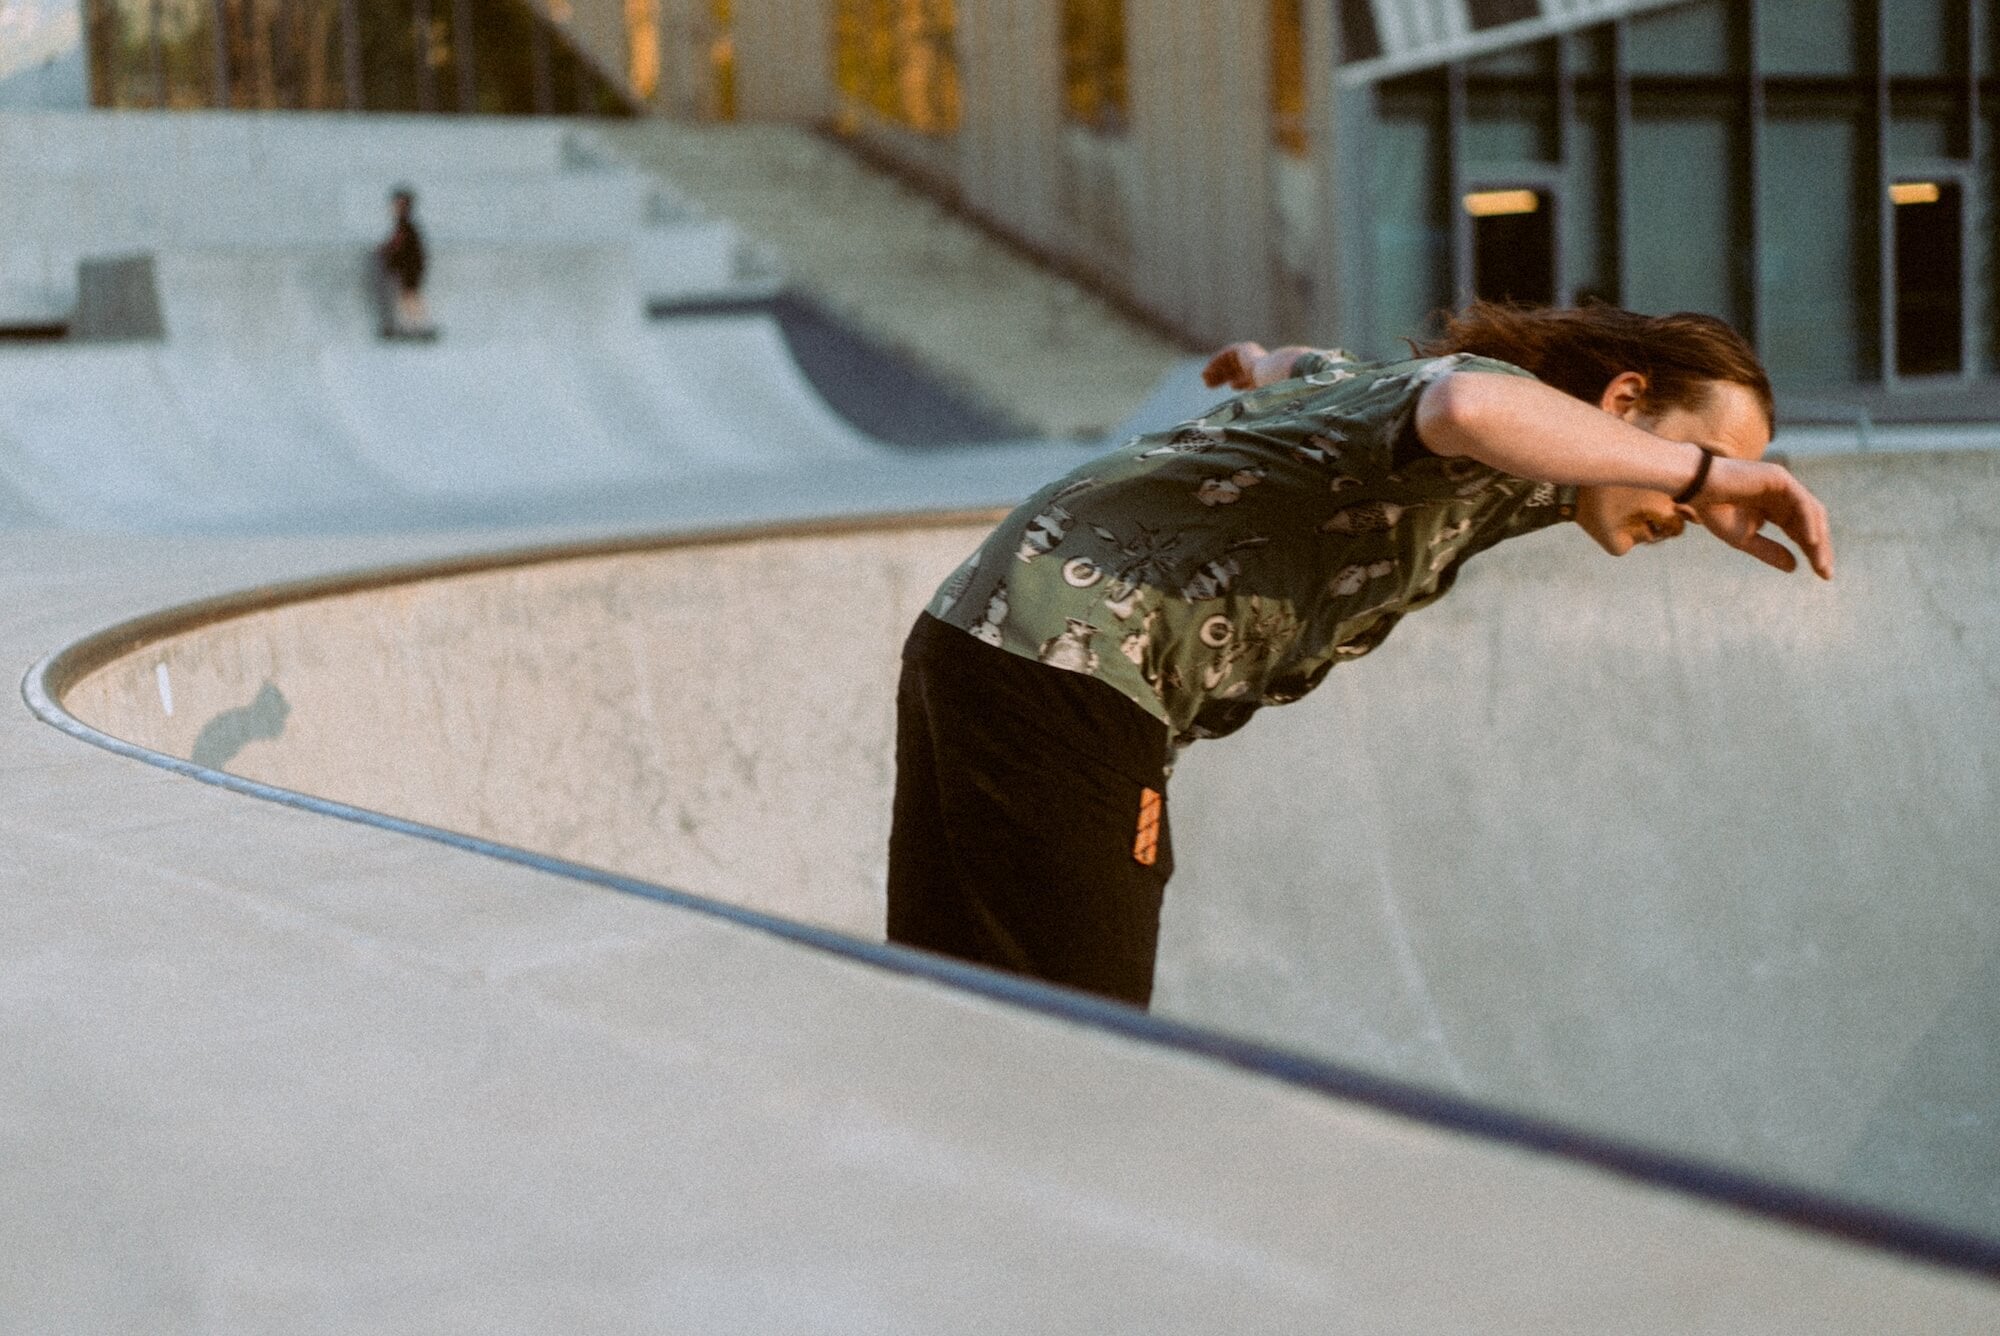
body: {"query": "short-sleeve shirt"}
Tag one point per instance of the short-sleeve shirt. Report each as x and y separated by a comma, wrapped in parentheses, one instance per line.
(1231, 562)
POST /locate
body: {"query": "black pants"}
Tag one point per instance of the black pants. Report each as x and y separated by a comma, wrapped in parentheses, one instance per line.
(1030, 819)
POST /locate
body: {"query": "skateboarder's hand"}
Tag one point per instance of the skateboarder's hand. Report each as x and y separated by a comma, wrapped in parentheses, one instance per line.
(1742, 496)
(1247, 366)
(1234, 366)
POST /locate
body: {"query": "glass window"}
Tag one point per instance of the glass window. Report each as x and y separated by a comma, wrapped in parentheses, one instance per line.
(897, 61)
(388, 55)
(1808, 36)
(1691, 40)
(1358, 38)
(1093, 51)
(122, 68)
(1920, 136)
(1502, 129)
(1532, 59)
(1411, 236)
(491, 56)
(1589, 51)
(1288, 78)
(1511, 106)
(1513, 244)
(1982, 260)
(441, 55)
(278, 54)
(1681, 217)
(577, 87)
(187, 52)
(1921, 35)
(506, 41)
(1929, 277)
(321, 71)
(1493, 13)
(1585, 213)
(642, 47)
(253, 38)
(1812, 211)
(721, 59)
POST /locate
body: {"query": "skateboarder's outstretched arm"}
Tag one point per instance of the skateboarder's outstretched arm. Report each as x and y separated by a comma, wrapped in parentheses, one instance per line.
(1532, 430)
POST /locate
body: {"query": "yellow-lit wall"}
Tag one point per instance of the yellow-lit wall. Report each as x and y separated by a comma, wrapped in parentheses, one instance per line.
(598, 28)
(1179, 212)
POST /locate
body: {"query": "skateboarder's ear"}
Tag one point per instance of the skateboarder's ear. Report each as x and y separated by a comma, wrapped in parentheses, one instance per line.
(1625, 395)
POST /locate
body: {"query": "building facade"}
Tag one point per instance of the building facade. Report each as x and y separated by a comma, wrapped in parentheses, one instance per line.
(492, 57)
(1816, 171)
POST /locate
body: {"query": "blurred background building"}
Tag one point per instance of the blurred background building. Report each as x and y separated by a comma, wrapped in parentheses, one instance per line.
(1816, 171)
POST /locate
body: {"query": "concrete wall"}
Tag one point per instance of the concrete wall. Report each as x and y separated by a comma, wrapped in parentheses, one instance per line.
(783, 54)
(1201, 129)
(1008, 148)
(597, 27)
(784, 60)
(1672, 848)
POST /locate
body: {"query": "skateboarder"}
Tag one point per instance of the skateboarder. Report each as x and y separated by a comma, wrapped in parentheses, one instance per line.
(402, 261)
(1164, 592)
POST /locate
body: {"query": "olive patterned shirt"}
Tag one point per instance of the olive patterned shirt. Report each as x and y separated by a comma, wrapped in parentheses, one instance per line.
(1229, 563)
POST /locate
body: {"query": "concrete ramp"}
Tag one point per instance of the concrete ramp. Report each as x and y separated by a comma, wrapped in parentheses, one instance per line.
(284, 300)
(15, 510)
(1176, 397)
(90, 184)
(119, 436)
(232, 387)
(1673, 850)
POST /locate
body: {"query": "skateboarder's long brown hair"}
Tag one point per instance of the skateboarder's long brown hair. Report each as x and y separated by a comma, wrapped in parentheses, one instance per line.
(1580, 349)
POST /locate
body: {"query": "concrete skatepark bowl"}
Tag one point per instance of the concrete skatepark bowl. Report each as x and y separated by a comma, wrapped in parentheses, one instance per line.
(1613, 951)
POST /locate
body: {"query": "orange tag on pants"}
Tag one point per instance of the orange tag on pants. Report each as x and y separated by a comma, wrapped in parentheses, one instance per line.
(1146, 847)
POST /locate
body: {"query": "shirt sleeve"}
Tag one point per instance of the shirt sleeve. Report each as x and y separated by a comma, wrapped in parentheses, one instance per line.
(1406, 444)
(1314, 361)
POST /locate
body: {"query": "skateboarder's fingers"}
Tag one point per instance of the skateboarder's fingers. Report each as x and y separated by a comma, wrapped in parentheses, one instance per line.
(1770, 552)
(1817, 542)
(1805, 522)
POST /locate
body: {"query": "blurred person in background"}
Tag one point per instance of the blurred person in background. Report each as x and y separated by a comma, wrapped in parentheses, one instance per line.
(401, 260)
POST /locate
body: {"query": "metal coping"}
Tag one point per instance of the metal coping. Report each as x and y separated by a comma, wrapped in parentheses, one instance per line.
(1802, 1208)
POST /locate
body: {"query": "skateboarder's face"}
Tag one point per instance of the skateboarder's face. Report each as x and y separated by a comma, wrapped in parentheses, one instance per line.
(1728, 422)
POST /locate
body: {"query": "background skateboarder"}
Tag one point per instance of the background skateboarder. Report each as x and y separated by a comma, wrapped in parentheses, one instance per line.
(1164, 592)
(402, 261)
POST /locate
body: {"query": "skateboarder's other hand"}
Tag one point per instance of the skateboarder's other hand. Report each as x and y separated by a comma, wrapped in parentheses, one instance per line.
(1234, 366)
(1247, 366)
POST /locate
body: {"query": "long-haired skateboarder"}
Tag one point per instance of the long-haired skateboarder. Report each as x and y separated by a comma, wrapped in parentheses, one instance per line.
(1164, 592)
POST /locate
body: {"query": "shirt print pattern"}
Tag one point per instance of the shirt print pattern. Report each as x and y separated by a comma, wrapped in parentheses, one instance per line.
(1231, 562)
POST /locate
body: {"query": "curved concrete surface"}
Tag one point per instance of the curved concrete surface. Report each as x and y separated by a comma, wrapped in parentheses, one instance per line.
(273, 404)
(289, 1072)
(1672, 849)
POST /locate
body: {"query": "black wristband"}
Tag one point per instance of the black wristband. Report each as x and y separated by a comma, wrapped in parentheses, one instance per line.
(1693, 489)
